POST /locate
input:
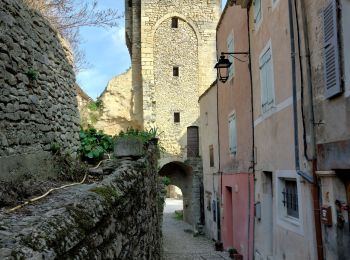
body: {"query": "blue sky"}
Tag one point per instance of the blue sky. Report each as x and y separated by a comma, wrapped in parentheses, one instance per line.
(106, 52)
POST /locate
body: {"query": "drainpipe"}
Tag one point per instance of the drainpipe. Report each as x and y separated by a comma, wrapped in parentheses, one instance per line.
(313, 157)
(294, 85)
(313, 160)
(219, 158)
(253, 137)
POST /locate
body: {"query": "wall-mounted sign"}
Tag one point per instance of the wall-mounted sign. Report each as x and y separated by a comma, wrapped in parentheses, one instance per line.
(326, 215)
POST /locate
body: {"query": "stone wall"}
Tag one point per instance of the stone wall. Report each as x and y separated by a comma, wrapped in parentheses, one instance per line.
(117, 218)
(191, 47)
(177, 94)
(37, 95)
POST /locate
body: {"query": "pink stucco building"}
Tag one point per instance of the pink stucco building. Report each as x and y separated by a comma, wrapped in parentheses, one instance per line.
(235, 134)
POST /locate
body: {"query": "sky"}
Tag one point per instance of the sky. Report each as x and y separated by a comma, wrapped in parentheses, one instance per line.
(106, 52)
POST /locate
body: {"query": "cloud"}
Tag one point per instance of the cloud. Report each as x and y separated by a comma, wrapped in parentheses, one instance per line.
(118, 37)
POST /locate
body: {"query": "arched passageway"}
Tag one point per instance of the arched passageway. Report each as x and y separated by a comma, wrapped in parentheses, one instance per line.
(173, 192)
(181, 176)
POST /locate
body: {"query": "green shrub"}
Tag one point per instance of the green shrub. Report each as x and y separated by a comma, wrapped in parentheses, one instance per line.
(94, 144)
(179, 215)
(95, 105)
(144, 135)
(166, 180)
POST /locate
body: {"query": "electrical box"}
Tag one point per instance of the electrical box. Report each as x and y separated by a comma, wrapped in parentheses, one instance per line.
(326, 215)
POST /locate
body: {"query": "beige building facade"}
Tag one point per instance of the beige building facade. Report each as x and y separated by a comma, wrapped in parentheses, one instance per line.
(210, 157)
(284, 220)
(327, 36)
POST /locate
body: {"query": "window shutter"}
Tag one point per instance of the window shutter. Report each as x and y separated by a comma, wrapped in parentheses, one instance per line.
(331, 50)
(257, 11)
(266, 74)
(269, 80)
(230, 48)
(232, 134)
(230, 129)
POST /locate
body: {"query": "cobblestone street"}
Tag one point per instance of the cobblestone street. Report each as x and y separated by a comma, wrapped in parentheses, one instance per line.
(179, 244)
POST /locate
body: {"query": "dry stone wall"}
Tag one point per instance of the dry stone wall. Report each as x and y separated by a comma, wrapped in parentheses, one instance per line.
(117, 218)
(37, 96)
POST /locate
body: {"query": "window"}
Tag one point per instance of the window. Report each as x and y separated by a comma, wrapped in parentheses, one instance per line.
(266, 80)
(211, 156)
(174, 22)
(214, 210)
(208, 193)
(177, 117)
(230, 48)
(257, 11)
(290, 198)
(130, 3)
(232, 134)
(332, 71)
(289, 207)
(175, 71)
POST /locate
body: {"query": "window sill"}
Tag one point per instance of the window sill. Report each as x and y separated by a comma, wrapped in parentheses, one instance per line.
(290, 223)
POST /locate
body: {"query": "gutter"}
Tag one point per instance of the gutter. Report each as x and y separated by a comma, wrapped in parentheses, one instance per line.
(253, 134)
(315, 190)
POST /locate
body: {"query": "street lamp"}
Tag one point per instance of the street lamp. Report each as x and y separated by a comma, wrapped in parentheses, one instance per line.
(224, 64)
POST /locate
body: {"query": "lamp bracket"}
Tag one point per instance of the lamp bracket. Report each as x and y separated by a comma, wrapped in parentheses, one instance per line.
(234, 53)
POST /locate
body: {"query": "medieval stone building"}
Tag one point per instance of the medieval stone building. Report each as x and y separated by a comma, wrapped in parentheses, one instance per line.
(172, 49)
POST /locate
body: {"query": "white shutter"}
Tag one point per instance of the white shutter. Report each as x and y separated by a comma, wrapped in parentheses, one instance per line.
(269, 80)
(257, 11)
(232, 134)
(331, 50)
(266, 78)
(230, 48)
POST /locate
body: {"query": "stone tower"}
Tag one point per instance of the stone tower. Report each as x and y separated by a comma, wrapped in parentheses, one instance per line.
(172, 49)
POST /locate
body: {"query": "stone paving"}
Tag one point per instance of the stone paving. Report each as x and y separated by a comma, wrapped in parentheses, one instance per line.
(179, 244)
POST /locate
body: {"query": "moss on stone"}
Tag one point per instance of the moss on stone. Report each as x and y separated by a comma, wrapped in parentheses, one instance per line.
(107, 192)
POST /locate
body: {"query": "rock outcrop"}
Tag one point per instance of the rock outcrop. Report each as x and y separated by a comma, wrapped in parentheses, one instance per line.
(117, 105)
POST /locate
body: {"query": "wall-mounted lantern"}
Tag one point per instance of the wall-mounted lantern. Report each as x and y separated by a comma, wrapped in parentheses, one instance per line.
(224, 64)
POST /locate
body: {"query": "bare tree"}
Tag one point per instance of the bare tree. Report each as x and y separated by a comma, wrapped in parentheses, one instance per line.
(67, 16)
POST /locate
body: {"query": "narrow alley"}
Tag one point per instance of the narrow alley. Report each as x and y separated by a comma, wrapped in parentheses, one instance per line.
(179, 242)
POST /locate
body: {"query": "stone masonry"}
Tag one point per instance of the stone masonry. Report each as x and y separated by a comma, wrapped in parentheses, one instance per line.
(38, 104)
(157, 94)
(117, 218)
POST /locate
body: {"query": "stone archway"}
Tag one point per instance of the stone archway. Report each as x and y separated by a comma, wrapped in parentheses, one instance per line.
(181, 175)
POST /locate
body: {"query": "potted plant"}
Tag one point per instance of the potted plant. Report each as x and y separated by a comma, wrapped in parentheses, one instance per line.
(129, 144)
(219, 246)
(234, 253)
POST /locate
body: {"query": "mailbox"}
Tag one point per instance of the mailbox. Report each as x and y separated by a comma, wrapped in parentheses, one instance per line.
(326, 215)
